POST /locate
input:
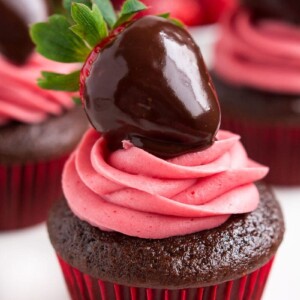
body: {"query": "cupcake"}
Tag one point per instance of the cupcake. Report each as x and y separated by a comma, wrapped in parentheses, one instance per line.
(38, 128)
(158, 202)
(256, 75)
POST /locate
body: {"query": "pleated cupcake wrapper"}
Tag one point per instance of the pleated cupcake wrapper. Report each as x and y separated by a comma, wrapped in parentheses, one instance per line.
(272, 145)
(27, 191)
(83, 287)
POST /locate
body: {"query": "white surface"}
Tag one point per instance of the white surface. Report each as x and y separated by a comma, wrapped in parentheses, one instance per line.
(29, 270)
(28, 267)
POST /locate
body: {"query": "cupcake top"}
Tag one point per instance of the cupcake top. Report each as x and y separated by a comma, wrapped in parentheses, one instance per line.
(259, 53)
(21, 100)
(156, 166)
(135, 193)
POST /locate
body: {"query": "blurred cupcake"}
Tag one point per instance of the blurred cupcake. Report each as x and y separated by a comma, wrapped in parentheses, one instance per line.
(158, 204)
(38, 128)
(257, 76)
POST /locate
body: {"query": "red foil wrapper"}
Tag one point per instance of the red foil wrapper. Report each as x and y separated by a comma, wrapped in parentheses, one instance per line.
(83, 287)
(275, 146)
(27, 191)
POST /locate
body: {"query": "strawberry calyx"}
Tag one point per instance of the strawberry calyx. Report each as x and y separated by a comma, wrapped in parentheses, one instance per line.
(77, 36)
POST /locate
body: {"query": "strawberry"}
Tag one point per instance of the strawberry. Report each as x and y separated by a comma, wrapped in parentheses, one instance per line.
(143, 81)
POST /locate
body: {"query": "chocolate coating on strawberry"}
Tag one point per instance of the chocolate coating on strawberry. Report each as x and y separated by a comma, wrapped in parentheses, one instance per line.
(288, 10)
(150, 86)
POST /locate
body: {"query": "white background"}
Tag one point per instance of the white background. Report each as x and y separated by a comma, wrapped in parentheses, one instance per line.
(29, 270)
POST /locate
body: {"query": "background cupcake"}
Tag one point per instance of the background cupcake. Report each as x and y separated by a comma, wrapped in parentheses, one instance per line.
(159, 204)
(38, 128)
(256, 74)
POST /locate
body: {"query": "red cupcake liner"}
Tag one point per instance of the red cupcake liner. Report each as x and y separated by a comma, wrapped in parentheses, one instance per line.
(83, 287)
(27, 192)
(273, 145)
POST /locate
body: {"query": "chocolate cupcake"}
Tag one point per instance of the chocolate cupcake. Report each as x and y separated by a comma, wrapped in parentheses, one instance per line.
(158, 202)
(256, 74)
(231, 261)
(38, 128)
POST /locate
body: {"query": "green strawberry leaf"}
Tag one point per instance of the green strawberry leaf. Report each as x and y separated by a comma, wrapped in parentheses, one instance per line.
(177, 22)
(164, 15)
(90, 25)
(128, 10)
(77, 100)
(68, 4)
(57, 42)
(60, 82)
(173, 20)
(107, 10)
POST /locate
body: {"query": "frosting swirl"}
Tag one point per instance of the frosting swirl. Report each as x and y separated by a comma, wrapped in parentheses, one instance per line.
(22, 100)
(138, 194)
(262, 54)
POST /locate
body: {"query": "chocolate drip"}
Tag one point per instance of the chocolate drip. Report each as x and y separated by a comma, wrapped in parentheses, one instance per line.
(151, 86)
(288, 10)
(15, 42)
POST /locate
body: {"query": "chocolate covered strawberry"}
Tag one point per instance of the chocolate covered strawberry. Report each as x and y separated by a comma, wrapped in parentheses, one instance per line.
(160, 98)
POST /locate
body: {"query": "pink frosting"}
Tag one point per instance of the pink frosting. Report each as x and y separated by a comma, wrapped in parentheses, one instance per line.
(262, 54)
(135, 193)
(20, 97)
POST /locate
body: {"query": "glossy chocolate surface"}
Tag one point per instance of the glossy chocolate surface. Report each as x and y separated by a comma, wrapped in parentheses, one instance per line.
(15, 43)
(151, 86)
(288, 10)
(241, 245)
